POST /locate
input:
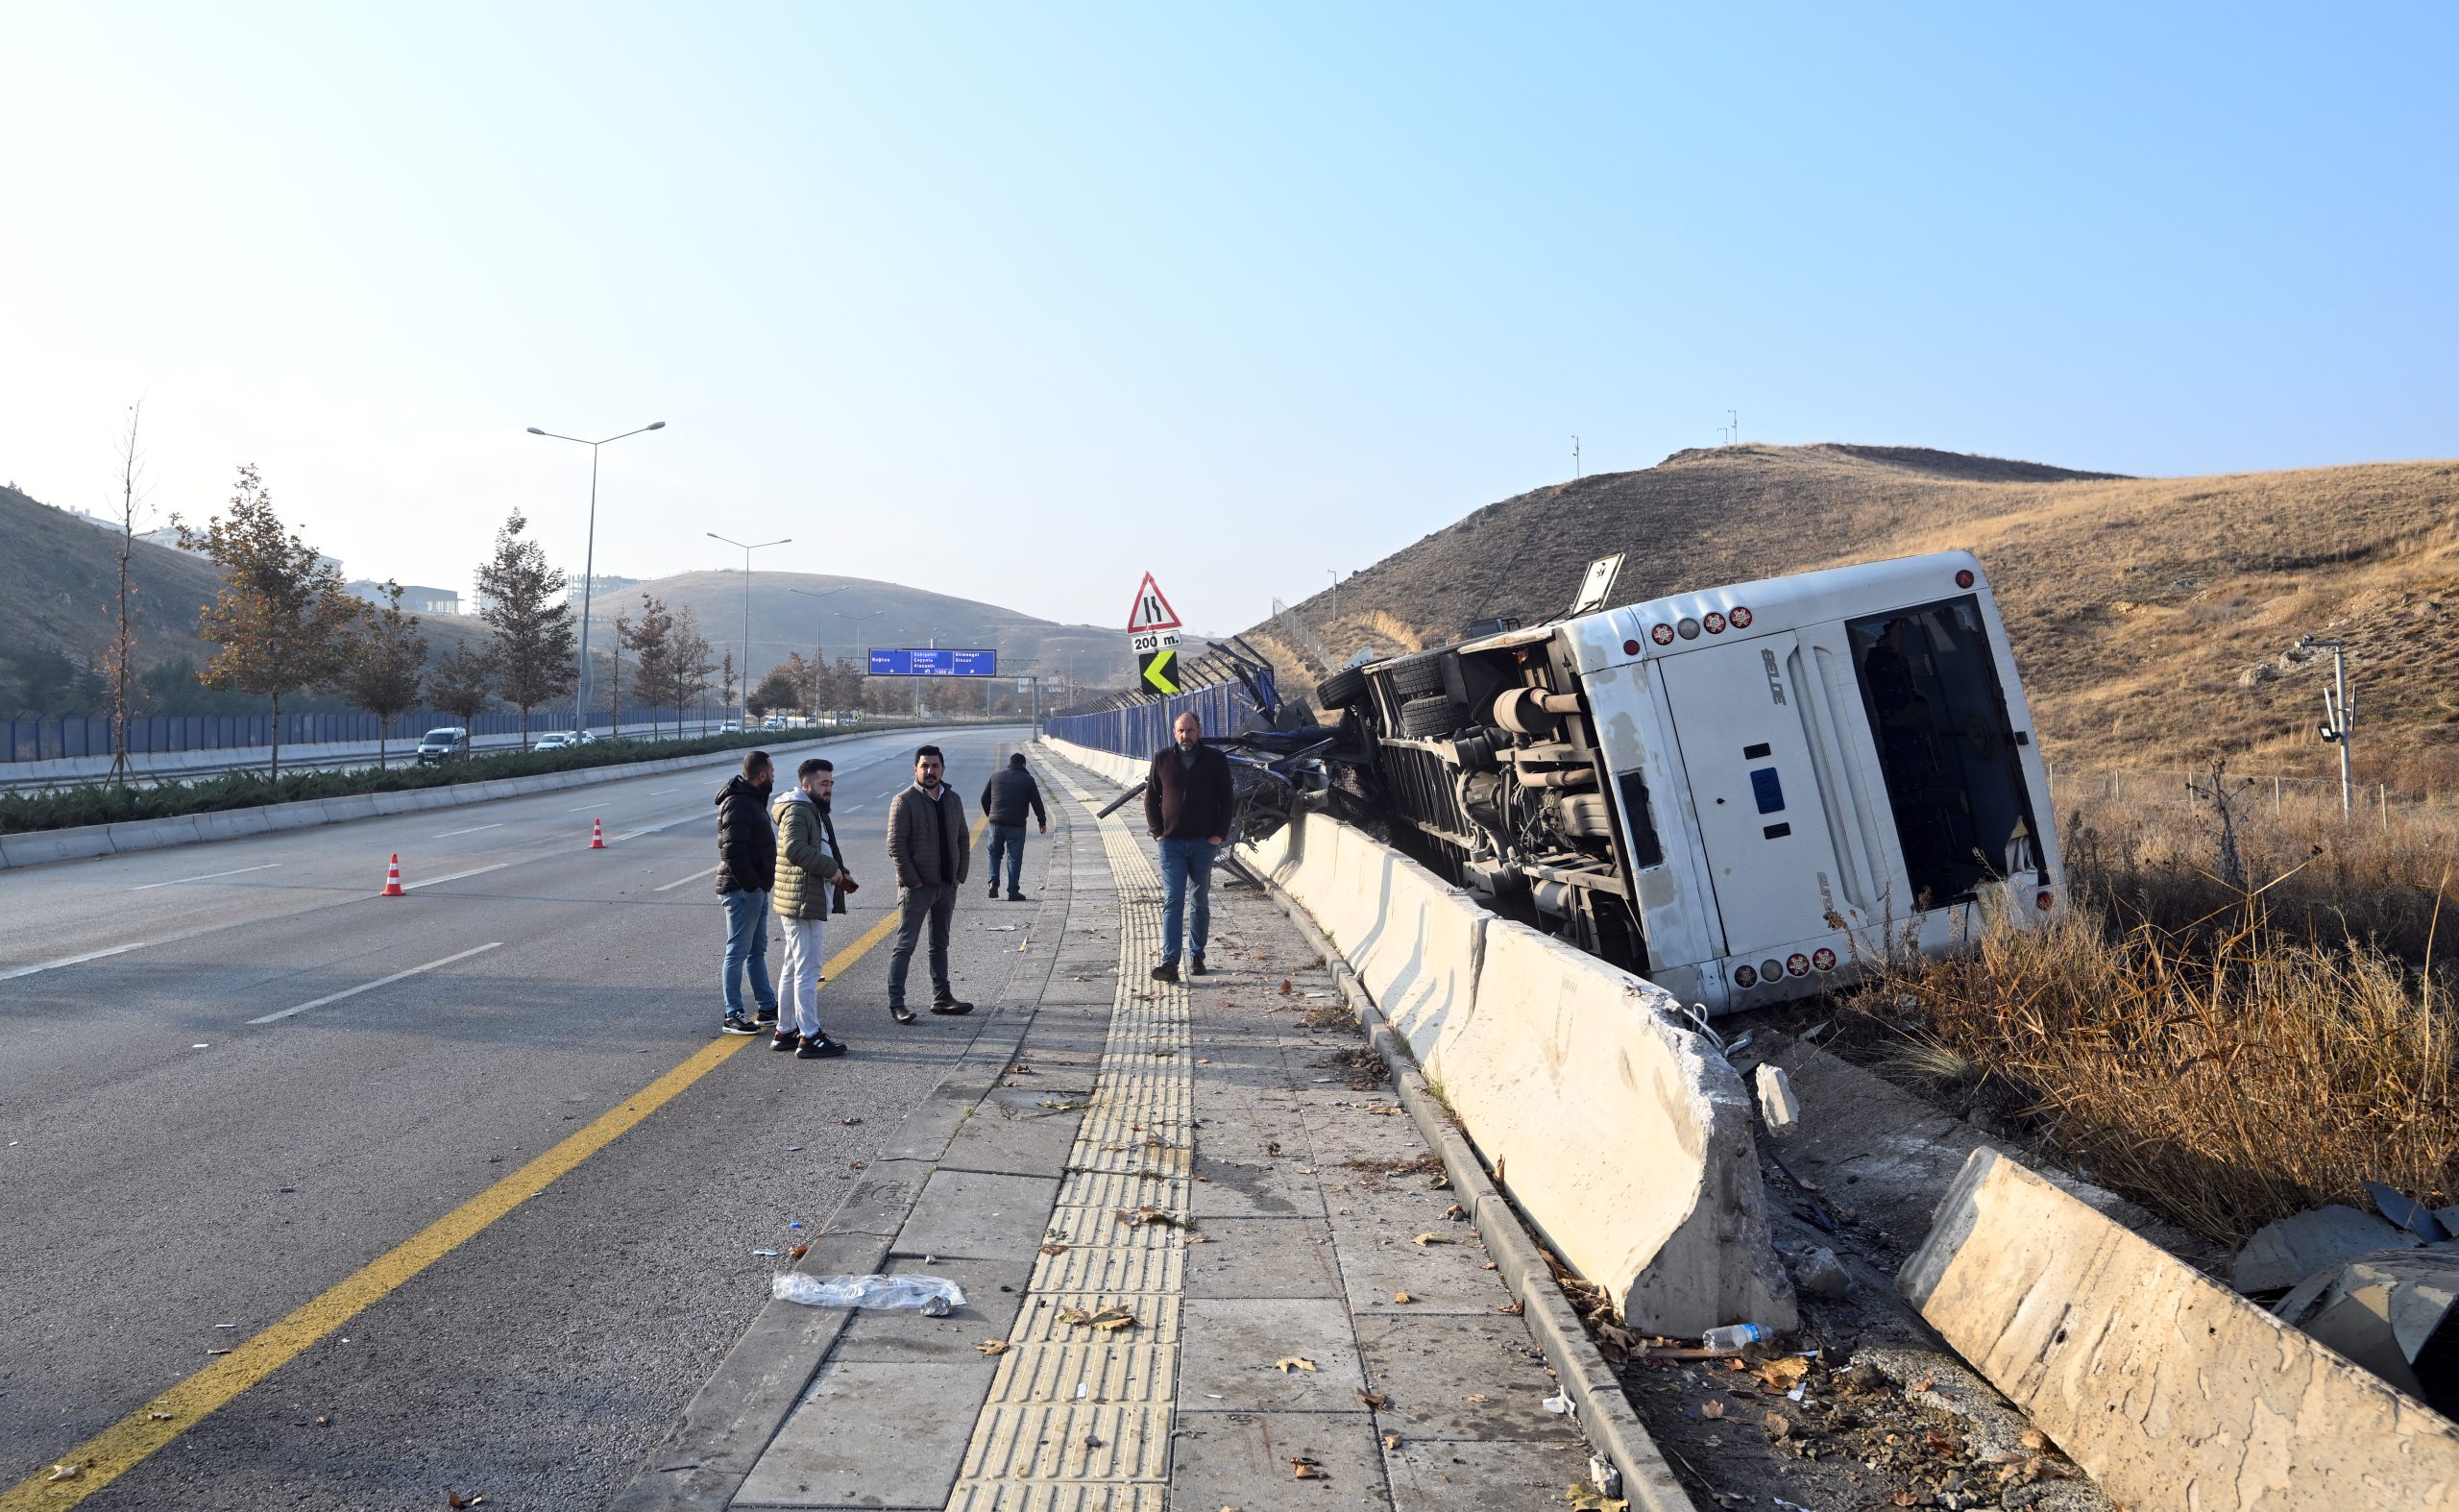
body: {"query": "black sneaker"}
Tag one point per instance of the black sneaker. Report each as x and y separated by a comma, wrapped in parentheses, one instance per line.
(1018, 897)
(1197, 969)
(820, 1048)
(737, 1024)
(1166, 971)
(764, 1017)
(994, 889)
(785, 1039)
(951, 1006)
(900, 1013)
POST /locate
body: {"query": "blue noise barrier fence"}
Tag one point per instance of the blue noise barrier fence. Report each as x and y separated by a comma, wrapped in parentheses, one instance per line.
(1143, 728)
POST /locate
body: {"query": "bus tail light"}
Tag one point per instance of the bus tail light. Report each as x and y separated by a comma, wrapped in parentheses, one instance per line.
(1745, 976)
(2044, 900)
(1963, 577)
(1738, 617)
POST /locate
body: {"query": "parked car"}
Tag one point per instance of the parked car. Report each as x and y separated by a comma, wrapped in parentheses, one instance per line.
(449, 743)
(557, 741)
(731, 727)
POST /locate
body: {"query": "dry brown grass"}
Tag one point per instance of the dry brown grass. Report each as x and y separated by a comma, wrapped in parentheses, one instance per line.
(2226, 1055)
(2136, 605)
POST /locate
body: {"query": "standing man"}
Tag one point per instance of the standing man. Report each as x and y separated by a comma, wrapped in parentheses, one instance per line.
(930, 850)
(747, 866)
(1005, 798)
(1188, 802)
(808, 878)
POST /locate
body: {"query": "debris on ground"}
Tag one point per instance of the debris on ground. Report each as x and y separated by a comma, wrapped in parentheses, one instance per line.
(2391, 1312)
(1777, 1104)
(2283, 1253)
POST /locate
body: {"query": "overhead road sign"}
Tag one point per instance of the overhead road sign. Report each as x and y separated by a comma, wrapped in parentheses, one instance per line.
(932, 660)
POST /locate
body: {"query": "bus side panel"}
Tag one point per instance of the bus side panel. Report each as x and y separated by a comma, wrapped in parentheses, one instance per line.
(1674, 896)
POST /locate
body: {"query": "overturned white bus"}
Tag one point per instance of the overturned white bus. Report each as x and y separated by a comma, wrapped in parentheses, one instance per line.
(1738, 793)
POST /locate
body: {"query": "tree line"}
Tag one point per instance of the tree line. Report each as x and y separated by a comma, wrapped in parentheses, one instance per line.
(283, 626)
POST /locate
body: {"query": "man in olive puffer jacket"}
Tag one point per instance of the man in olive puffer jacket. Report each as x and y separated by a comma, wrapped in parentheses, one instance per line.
(811, 881)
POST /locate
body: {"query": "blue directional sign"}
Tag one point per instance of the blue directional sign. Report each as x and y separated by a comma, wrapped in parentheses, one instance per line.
(932, 660)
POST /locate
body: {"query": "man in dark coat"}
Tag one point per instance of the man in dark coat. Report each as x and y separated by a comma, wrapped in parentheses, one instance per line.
(747, 868)
(1007, 799)
(1190, 801)
(931, 850)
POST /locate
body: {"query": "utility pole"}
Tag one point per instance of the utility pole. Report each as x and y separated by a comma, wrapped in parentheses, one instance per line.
(1735, 420)
(1575, 457)
(748, 547)
(589, 572)
(2339, 716)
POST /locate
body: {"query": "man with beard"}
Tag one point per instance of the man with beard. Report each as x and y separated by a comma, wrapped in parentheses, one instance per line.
(746, 865)
(1189, 799)
(931, 850)
(810, 883)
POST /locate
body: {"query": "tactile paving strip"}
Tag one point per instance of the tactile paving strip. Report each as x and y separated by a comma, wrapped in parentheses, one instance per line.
(1079, 1419)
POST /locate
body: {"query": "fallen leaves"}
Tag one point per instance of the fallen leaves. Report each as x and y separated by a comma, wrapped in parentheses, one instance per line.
(1139, 1217)
(1456, 1213)
(1307, 1469)
(1510, 1309)
(67, 1472)
(1430, 1238)
(1286, 987)
(1781, 1374)
(1588, 1499)
(1290, 1362)
(2035, 1440)
(1712, 1408)
(849, 1122)
(1371, 1401)
(455, 1500)
(1107, 1319)
(798, 1252)
(1054, 1247)
(1392, 1441)
(992, 1347)
(1778, 1425)
(1402, 1297)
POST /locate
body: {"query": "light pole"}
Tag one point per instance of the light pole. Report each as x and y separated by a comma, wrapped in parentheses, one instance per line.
(816, 650)
(858, 619)
(748, 549)
(588, 575)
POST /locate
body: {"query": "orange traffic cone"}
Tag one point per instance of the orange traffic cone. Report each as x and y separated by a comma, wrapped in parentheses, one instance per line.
(597, 835)
(393, 878)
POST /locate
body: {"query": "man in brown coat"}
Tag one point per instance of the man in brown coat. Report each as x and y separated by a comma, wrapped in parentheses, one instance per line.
(932, 850)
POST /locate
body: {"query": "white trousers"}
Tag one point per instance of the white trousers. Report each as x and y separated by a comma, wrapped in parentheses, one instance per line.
(798, 982)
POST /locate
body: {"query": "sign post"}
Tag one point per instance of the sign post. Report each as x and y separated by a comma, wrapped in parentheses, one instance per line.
(1152, 635)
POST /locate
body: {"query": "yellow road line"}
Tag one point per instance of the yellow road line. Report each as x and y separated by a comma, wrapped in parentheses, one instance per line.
(122, 1446)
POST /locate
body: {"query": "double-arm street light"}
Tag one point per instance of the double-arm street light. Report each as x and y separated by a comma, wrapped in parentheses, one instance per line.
(748, 547)
(817, 649)
(589, 576)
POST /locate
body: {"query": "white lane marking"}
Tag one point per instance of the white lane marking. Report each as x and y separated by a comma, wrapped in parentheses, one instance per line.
(583, 809)
(370, 987)
(413, 887)
(71, 960)
(471, 830)
(651, 829)
(660, 792)
(207, 877)
(666, 886)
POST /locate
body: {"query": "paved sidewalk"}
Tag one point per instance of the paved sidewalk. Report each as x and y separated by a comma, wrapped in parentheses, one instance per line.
(1208, 1260)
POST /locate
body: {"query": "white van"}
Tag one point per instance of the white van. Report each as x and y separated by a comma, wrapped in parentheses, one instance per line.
(1738, 793)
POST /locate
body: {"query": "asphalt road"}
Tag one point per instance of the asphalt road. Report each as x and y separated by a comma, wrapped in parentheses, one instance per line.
(168, 1163)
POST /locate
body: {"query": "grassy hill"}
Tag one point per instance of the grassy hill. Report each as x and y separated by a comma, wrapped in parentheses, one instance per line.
(2153, 619)
(59, 576)
(783, 621)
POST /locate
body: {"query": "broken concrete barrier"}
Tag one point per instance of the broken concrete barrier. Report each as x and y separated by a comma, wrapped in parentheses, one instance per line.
(2171, 1390)
(2283, 1253)
(1777, 1104)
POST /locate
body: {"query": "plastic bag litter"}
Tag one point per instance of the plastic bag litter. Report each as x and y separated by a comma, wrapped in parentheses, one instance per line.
(932, 1296)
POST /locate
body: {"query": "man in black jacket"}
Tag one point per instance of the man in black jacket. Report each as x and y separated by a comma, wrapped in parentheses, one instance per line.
(1190, 801)
(747, 870)
(1006, 798)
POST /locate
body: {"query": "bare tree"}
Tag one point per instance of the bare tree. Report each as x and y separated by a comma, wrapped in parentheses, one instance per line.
(689, 664)
(119, 661)
(281, 615)
(522, 598)
(652, 638)
(725, 681)
(458, 683)
(385, 665)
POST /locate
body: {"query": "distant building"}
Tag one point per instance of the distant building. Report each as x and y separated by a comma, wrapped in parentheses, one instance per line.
(414, 598)
(601, 585)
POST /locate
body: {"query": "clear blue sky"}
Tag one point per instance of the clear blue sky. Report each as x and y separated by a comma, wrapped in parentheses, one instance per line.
(1015, 302)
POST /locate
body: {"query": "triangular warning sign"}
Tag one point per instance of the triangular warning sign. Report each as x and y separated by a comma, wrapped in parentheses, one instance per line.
(1151, 611)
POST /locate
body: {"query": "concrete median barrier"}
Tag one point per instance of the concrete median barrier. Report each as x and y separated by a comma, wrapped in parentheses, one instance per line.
(2173, 1391)
(1625, 1139)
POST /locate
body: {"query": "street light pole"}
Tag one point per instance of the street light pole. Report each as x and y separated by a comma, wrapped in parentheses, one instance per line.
(748, 549)
(589, 576)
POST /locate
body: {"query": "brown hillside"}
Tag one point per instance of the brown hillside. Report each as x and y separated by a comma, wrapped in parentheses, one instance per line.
(2153, 617)
(59, 576)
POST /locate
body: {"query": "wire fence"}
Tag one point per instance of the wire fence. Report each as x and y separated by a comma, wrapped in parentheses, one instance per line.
(2374, 802)
(53, 739)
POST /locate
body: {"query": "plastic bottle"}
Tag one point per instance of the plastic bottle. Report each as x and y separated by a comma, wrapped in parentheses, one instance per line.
(1733, 1336)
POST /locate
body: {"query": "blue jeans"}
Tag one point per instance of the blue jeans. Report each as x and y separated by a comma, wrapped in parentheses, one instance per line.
(747, 946)
(1008, 839)
(1185, 863)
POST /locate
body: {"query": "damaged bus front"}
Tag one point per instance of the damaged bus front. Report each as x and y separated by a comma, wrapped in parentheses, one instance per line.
(1741, 793)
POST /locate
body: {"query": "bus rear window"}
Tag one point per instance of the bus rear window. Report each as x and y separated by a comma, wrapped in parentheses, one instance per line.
(1954, 777)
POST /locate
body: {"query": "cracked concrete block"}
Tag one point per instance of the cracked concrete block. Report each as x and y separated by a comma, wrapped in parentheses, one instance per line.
(2171, 1390)
(2285, 1253)
(1776, 1102)
(1821, 1273)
